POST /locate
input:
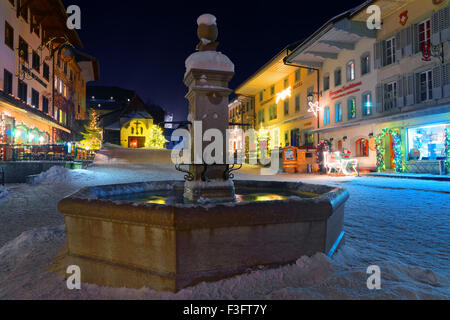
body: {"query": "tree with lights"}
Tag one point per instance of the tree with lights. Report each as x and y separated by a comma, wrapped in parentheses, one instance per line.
(93, 135)
(156, 140)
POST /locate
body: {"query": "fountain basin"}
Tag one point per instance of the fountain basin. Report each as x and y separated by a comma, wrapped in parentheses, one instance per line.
(167, 246)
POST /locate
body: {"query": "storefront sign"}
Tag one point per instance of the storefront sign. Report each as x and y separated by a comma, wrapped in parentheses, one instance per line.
(344, 91)
(266, 102)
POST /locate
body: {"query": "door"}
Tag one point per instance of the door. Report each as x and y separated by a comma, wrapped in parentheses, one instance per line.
(136, 142)
(389, 153)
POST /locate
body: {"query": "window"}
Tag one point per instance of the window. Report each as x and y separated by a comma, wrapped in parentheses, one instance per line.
(272, 90)
(390, 94)
(326, 115)
(426, 143)
(12, 2)
(65, 67)
(286, 83)
(22, 90)
(390, 51)
(367, 104)
(338, 112)
(365, 64)
(362, 148)
(326, 82)
(23, 49)
(272, 112)
(351, 71)
(7, 82)
(426, 86)
(9, 36)
(297, 103)
(34, 98)
(261, 96)
(46, 72)
(261, 116)
(45, 105)
(36, 61)
(24, 11)
(297, 75)
(424, 29)
(337, 77)
(286, 107)
(351, 108)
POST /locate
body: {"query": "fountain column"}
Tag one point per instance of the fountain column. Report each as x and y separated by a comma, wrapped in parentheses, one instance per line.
(208, 73)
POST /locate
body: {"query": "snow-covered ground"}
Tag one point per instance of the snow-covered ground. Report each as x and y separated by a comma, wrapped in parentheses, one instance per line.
(400, 225)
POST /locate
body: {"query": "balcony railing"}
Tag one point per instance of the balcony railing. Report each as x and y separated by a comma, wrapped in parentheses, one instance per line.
(49, 152)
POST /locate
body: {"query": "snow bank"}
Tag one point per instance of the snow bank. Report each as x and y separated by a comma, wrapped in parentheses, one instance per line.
(207, 19)
(13, 251)
(3, 192)
(209, 60)
(54, 175)
(113, 155)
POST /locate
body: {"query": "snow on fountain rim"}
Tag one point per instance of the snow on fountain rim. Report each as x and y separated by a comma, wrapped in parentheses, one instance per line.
(207, 19)
(209, 60)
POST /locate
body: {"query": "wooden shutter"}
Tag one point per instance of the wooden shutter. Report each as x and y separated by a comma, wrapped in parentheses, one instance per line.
(409, 94)
(383, 53)
(415, 38)
(417, 88)
(444, 22)
(435, 28)
(379, 98)
(400, 93)
(377, 55)
(407, 41)
(437, 82)
(398, 46)
(446, 80)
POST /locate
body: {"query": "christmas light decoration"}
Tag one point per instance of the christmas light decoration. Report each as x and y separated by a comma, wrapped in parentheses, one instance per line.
(283, 95)
(447, 147)
(156, 140)
(93, 135)
(397, 146)
(314, 108)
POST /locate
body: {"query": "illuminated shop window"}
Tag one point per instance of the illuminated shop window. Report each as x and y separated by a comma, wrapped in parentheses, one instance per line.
(351, 108)
(427, 142)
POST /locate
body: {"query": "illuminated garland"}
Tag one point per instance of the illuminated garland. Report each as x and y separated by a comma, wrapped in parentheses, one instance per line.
(398, 156)
(447, 147)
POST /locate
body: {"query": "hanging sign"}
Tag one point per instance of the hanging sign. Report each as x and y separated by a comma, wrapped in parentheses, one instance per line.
(403, 17)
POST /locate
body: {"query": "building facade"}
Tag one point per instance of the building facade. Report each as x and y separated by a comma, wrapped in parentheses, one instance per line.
(279, 92)
(378, 95)
(42, 74)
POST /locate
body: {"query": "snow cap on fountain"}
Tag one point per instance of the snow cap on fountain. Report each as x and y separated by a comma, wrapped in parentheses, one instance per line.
(207, 58)
(207, 19)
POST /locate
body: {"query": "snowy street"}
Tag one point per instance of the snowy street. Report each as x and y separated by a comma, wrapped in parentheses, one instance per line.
(401, 225)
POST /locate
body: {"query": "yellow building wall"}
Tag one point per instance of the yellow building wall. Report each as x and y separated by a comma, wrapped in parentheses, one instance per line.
(287, 122)
(133, 129)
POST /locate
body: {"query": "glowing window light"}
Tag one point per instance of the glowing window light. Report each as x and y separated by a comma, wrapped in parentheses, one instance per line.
(283, 95)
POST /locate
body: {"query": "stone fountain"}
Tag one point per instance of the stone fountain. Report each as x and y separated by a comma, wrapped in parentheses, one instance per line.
(165, 236)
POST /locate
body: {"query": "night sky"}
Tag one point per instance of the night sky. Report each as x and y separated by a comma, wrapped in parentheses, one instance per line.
(142, 45)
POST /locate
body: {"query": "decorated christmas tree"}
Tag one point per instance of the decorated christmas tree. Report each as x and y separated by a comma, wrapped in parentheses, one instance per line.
(156, 140)
(93, 135)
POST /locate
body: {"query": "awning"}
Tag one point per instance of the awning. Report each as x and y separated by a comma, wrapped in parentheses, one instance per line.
(328, 42)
